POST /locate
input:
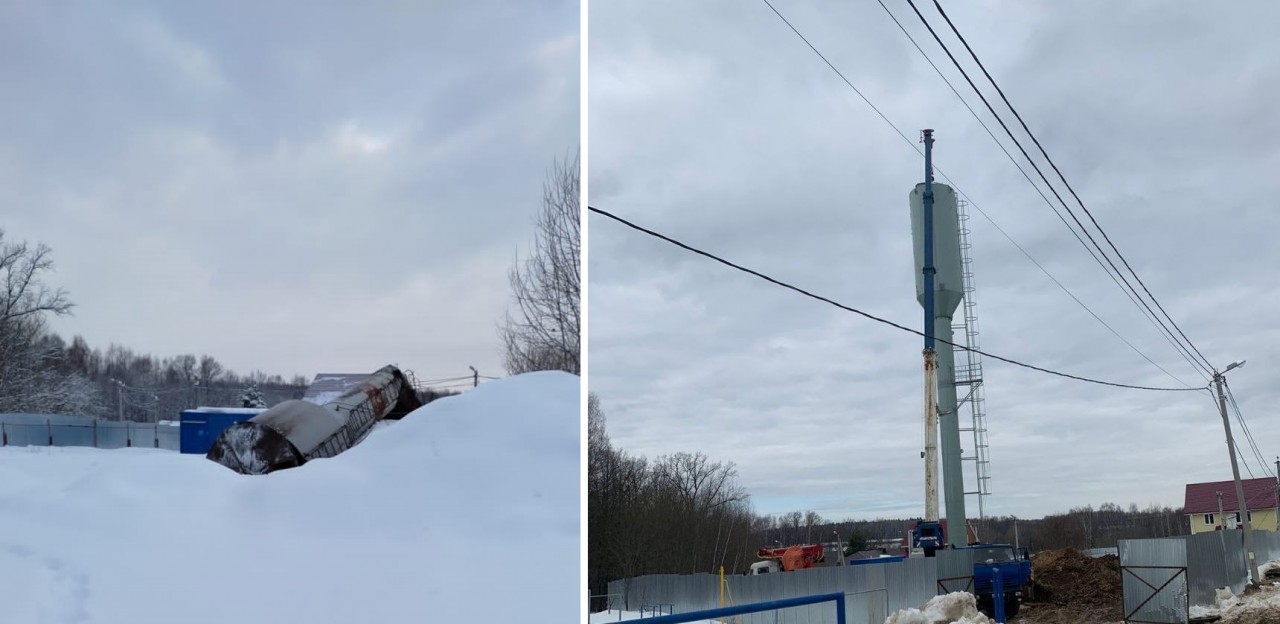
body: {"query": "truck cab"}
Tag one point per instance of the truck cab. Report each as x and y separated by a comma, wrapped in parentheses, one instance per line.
(1011, 565)
(765, 567)
(927, 538)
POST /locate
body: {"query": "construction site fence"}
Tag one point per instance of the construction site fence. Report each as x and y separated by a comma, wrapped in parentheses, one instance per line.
(871, 591)
(1162, 578)
(103, 434)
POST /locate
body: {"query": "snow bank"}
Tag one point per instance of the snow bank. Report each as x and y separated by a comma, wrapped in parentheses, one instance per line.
(470, 504)
(1261, 607)
(952, 608)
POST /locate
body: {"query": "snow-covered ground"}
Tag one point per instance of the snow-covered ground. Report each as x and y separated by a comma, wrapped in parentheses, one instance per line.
(1261, 607)
(469, 505)
(604, 617)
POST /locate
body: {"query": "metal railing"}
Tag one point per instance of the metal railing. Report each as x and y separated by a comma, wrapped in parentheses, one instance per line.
(772, 605)
(608, 603)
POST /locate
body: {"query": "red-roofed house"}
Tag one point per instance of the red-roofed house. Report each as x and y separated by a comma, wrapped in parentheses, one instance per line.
(1201, 505)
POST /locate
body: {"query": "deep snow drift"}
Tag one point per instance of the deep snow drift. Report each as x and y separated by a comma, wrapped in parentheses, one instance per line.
(469, 505)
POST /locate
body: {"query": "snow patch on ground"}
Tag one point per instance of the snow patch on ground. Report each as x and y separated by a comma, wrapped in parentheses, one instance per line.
(1262, 607)
(952, 608)
(616, 615)
(468, 505)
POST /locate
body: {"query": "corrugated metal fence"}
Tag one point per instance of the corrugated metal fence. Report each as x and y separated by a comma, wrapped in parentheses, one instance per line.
(1163, 577)
(1154, 576)
(872, 591)
(27, 430)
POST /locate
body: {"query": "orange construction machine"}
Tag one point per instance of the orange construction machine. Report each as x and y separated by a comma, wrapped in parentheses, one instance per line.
(787, 558)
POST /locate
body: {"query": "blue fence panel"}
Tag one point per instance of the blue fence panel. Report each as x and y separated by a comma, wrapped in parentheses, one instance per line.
(104, 434)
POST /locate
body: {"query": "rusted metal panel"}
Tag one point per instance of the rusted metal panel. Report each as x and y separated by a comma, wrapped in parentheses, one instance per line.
(253, 448)
(293, 432)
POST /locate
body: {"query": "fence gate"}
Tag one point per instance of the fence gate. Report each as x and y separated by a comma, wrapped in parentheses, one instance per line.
(1155, 594)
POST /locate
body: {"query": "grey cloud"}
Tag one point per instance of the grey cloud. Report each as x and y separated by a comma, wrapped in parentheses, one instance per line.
(293, 187)
(714, 124)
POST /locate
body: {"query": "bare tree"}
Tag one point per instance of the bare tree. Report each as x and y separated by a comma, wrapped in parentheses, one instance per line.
(541, 331)
(29, 364)
(25, 293)
(210, 369)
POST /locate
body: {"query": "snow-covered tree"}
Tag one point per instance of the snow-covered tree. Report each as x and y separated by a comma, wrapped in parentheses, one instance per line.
(29, 363)
(251, 397)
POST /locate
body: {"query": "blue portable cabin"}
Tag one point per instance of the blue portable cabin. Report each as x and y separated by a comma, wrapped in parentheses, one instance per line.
(875, 560)
(202, 425)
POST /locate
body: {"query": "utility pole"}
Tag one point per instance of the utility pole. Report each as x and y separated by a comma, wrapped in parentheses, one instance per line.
(475, 377)
(1222, 516)
(930, 354)
(1241, 504)
(119, 400)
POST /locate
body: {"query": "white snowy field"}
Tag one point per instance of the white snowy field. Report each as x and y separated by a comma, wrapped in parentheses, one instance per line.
(469, 505)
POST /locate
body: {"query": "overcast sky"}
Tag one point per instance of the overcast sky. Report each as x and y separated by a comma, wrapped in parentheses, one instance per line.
(292, 187)
(713, 123)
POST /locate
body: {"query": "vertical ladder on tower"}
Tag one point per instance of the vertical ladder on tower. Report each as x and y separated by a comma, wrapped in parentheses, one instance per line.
(969, 371)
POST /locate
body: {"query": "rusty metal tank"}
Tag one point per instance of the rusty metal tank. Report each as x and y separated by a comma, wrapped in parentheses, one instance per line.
(289, 434)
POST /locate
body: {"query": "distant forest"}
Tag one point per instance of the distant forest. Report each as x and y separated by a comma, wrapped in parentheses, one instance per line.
(118, 383)
(685, 513)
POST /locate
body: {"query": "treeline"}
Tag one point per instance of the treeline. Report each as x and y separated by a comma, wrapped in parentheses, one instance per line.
(42, 373)
(679, 513)
(119, 383)
(686, 513)
(1080, 528)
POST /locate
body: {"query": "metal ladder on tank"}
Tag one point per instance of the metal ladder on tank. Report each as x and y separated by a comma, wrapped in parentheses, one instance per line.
(969, 371)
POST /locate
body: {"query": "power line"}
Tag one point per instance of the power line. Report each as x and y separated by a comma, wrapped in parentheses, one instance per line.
(1151, 319)
(1205, 367)
(1244, 459)
(443, 379)
(1241, 457)
(1257, 453)
(865, 314)
(1072, 191)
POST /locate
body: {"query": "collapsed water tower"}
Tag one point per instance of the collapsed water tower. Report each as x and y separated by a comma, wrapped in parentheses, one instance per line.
(948, 293)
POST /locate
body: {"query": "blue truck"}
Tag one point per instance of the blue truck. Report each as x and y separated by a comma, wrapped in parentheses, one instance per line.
(1011, 565)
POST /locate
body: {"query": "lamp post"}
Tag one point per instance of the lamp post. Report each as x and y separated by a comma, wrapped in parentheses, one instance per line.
(1241, 504)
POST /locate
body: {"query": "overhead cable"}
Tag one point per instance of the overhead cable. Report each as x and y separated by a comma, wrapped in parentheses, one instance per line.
(868, 315)
(1203, 362)
(1164, 332)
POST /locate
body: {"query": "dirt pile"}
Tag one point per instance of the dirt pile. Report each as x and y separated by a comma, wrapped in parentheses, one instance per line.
(1072, 579)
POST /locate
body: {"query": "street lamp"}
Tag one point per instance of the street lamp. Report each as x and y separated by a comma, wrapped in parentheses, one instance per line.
(1242, 505)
